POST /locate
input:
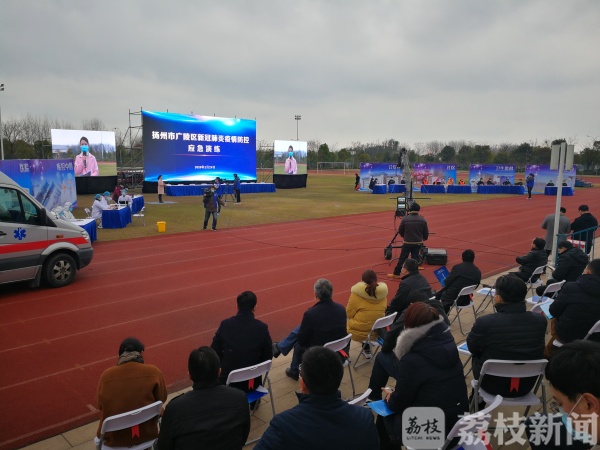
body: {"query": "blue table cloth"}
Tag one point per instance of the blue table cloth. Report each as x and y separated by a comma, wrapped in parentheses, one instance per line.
(553, 190)
(517, 190)
(198, 189)
(116, 218)
(88, 225)
(459, 189)
(432, 189)
(396, 188)
(379, 189)
(137, 204)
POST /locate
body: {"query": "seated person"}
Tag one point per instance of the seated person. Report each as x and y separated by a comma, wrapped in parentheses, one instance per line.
(372, 183)
(321, 420)
(571, 263)
(480, 182)
(324, 322)
(130, 385)
(564, 183)
(537, 257)
(367, 303)
(550, 183)
(391, 181)
(403, 181)
(512, 333)
(68, 211)
(461, 182)
(117, 193)
(97, 208)
(412, 281)
(577, 307)
(490, 182)
(429, 373)
(106, 200)
(519, 183)
(208, 416)
(125, 198)
(242, 341)
(506, 182)
(462, 275)
(573, 376)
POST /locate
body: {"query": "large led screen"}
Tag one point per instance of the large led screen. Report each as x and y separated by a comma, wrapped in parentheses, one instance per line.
(289, 157)
(182, 147)
(93, 152)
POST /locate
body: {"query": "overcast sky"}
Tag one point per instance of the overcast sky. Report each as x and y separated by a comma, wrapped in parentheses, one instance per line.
(355, 70)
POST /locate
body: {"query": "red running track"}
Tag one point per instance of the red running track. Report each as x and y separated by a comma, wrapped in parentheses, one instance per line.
(172, 291)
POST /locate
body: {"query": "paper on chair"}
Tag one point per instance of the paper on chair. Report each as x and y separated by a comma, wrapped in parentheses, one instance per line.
(259, 392)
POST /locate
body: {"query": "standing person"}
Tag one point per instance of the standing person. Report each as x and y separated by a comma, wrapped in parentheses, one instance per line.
(321, 420)
(367, 303)
(356, 182)
(529, 182)
(117, 193)
(413, 228)
(217, 185)
(161, 189)
(242, 340)
(237, 188)
(85, 162)
(209, 416)
(211, 203)
(130, 385)
(291, 167)
(584, 222)
(564, 226)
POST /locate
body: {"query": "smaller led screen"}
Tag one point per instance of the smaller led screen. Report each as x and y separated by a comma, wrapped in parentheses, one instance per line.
(93, 152)
(289, 157)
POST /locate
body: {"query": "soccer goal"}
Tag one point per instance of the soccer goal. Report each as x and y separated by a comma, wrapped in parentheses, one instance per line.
(346, 166)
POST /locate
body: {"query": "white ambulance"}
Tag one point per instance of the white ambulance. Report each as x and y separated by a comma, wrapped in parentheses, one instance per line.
(33, 245)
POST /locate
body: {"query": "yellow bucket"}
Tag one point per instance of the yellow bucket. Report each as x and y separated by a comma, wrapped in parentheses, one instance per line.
(162, 226)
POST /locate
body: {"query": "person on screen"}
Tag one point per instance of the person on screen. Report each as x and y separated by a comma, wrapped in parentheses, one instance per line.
(85, 162)
(291, 167)
(161, 189)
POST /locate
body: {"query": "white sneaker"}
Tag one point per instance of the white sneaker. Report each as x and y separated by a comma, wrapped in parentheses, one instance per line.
(367, 354)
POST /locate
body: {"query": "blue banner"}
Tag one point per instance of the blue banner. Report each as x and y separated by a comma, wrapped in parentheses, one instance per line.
(543, 176)
(198, 148)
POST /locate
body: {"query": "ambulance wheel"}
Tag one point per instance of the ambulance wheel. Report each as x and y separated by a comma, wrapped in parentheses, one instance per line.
(60, 270)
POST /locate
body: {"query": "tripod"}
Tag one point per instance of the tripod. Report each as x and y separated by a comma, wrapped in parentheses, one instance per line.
(227, 191)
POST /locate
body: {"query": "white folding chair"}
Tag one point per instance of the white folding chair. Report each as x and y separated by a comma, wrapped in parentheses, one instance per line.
(140, 215)
(250, 373)
(88, 213)
(362, 399)
(489, 292)
(472, 428)
(464, 350)
(380, 323)
(512, 370)
(128, 420)
(595, 329)
(340, 345)
(464, 291)
(531, 284)
(549, 293)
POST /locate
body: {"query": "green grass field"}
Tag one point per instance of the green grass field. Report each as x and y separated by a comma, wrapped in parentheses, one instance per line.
(326, 195)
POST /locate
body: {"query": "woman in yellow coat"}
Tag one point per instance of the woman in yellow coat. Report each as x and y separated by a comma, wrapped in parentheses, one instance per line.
(367, 303)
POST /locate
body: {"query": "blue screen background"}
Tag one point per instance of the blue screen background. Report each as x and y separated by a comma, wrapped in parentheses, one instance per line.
(172, 158)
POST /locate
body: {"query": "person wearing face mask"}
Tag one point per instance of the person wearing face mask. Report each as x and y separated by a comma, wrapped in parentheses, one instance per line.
(125, 198)
(291, 168)
(85, 162)
(573, 375)
(211, 205)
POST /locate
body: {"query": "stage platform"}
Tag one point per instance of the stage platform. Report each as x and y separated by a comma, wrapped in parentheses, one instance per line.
(184, 190)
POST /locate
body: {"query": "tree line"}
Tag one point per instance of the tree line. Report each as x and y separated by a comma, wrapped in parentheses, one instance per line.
(28, 138)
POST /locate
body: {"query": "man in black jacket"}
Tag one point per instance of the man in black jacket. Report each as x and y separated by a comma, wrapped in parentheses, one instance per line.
(570, 264)
(242, 341)
(324, 322)
(412, 281)
(512, 333)
(585, 221)
(413, 229)
(577, 307)
(462, 275)
(209, 416)
(535, 258)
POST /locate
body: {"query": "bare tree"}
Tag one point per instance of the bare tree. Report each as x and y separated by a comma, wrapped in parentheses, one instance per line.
(93, 124)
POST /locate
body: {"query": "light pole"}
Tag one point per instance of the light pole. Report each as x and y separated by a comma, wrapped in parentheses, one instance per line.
(297, 117)
(1, 129)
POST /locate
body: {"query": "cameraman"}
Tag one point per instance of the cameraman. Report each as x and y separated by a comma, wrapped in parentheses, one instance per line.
(211, 205)
(413, 229)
